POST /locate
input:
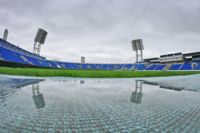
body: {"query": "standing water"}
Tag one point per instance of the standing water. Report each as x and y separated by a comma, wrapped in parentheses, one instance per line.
(169, 104)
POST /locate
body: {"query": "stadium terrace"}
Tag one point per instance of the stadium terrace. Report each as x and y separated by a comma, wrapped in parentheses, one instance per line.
(14, 56)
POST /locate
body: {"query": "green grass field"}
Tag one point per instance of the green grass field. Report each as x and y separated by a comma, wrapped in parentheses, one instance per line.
(89, 73)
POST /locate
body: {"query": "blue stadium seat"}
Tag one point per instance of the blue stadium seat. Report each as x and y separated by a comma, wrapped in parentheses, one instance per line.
(197, 67)
(124, 66)
(175, 66)
(11, 56)
(160, 67)
(104, 66)
(12, 53)
(129, 66)
(18, 50)
(151, 67)
(186, 66)
(195, 61)
(139, 66)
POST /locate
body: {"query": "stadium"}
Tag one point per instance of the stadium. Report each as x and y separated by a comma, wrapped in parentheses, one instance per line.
(14, 56)
(99, 66)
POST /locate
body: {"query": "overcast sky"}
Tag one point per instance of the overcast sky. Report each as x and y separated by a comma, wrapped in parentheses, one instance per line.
(102, 30)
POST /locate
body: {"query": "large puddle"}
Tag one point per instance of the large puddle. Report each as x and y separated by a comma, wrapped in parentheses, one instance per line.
(169, 104)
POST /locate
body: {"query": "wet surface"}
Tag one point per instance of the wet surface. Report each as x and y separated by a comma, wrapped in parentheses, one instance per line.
(100, 105)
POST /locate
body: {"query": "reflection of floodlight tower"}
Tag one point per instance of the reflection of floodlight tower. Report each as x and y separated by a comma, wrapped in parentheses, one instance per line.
(5, 35)
(136, 96)
(39, 40)
(82, 82)
(37, 96)
(138, 48)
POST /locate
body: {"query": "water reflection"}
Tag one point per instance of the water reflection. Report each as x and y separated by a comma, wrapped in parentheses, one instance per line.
(137, 95)
(37, 96)
(82, 81)
(8, 86)
(164, 85)
(97, 105)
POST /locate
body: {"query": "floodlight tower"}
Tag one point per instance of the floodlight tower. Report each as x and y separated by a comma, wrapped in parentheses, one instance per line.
(5, 35)
(138, 47)
(39, 40)
(82, 59)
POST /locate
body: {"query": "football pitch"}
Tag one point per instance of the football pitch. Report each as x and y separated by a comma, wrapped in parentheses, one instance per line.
(41, 72)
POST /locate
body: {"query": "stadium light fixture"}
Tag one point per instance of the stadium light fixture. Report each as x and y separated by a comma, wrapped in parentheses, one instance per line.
(138, 47)
(39, 40)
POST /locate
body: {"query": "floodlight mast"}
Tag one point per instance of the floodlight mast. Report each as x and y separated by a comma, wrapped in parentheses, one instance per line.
(82, 59)
(39, 40)
(5, 35)
(138, 47)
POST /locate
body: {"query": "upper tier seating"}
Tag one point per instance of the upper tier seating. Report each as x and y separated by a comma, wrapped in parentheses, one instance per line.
(12, 47)
(196, 60)
(11, 56)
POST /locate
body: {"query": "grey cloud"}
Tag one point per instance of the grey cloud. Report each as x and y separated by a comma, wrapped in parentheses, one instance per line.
(102, 29)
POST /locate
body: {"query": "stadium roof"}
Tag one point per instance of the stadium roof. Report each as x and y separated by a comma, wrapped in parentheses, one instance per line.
(192, 54)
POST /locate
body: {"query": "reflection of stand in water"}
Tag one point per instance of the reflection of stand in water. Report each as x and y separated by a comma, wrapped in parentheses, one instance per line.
(82, 81)
(37, 96)
(9, 86)
(164, 85)
(137, 95)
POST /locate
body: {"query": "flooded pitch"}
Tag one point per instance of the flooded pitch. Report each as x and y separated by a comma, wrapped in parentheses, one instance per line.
(169, 104)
